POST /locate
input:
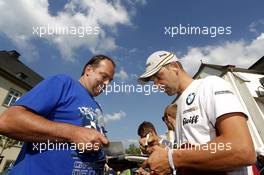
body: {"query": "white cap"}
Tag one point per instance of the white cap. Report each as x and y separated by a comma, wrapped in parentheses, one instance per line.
(155, 62)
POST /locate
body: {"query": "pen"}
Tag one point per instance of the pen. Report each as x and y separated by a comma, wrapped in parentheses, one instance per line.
(147, 137)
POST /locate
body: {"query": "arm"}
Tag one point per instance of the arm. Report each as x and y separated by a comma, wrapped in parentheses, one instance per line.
(20, 123)
(232, 129)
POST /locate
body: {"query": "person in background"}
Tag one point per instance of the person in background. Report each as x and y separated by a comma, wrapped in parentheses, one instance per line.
(169, 118)
(148, 139)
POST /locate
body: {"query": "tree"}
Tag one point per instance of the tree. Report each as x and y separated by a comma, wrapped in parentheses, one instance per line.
(133, 149)
(6, 142)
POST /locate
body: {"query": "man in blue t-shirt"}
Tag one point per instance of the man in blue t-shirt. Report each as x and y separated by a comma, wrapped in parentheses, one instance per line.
(61, 123)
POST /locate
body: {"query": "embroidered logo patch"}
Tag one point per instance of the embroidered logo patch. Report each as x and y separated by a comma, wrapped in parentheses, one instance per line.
(190, 98)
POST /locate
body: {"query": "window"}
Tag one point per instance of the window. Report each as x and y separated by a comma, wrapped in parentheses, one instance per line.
(12, 96)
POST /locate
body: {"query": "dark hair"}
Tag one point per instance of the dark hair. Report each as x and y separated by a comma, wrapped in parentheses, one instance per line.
(95, 61)
(145, 127)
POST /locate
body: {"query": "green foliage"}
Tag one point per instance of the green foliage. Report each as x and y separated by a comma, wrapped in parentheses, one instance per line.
(133, 149)
(5, 143)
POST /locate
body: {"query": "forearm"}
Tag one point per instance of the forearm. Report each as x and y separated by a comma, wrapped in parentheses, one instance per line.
(217, 155)
(19, 123)
(233, 130)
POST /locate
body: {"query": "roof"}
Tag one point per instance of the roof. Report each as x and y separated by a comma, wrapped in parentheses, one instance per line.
(259, 65)
(11, 67)
(226, 68)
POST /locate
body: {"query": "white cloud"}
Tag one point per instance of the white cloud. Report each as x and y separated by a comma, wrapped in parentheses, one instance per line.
(257, 26)
(115, 116)
(128, 142)
(18, 17)
(122, 74)
(134, 76)
(135, 141)
(132, 10)
(141, 2)
(133, 50)
(239, 53)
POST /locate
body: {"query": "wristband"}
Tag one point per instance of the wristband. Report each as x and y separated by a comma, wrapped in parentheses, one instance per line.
(170, 159)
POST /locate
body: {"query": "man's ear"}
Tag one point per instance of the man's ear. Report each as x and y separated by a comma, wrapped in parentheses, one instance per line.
(88, 69)
(174, 66)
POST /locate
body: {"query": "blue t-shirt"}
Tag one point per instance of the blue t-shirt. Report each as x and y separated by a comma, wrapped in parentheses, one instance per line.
(60, 99)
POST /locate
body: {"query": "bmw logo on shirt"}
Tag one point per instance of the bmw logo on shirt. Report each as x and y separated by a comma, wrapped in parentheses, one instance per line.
(190, 98)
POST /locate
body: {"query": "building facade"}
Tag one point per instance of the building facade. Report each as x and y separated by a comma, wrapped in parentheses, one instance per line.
(15, 80)
(248, 84)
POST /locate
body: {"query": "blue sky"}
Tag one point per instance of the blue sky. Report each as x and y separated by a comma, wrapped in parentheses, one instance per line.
(129, 31)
